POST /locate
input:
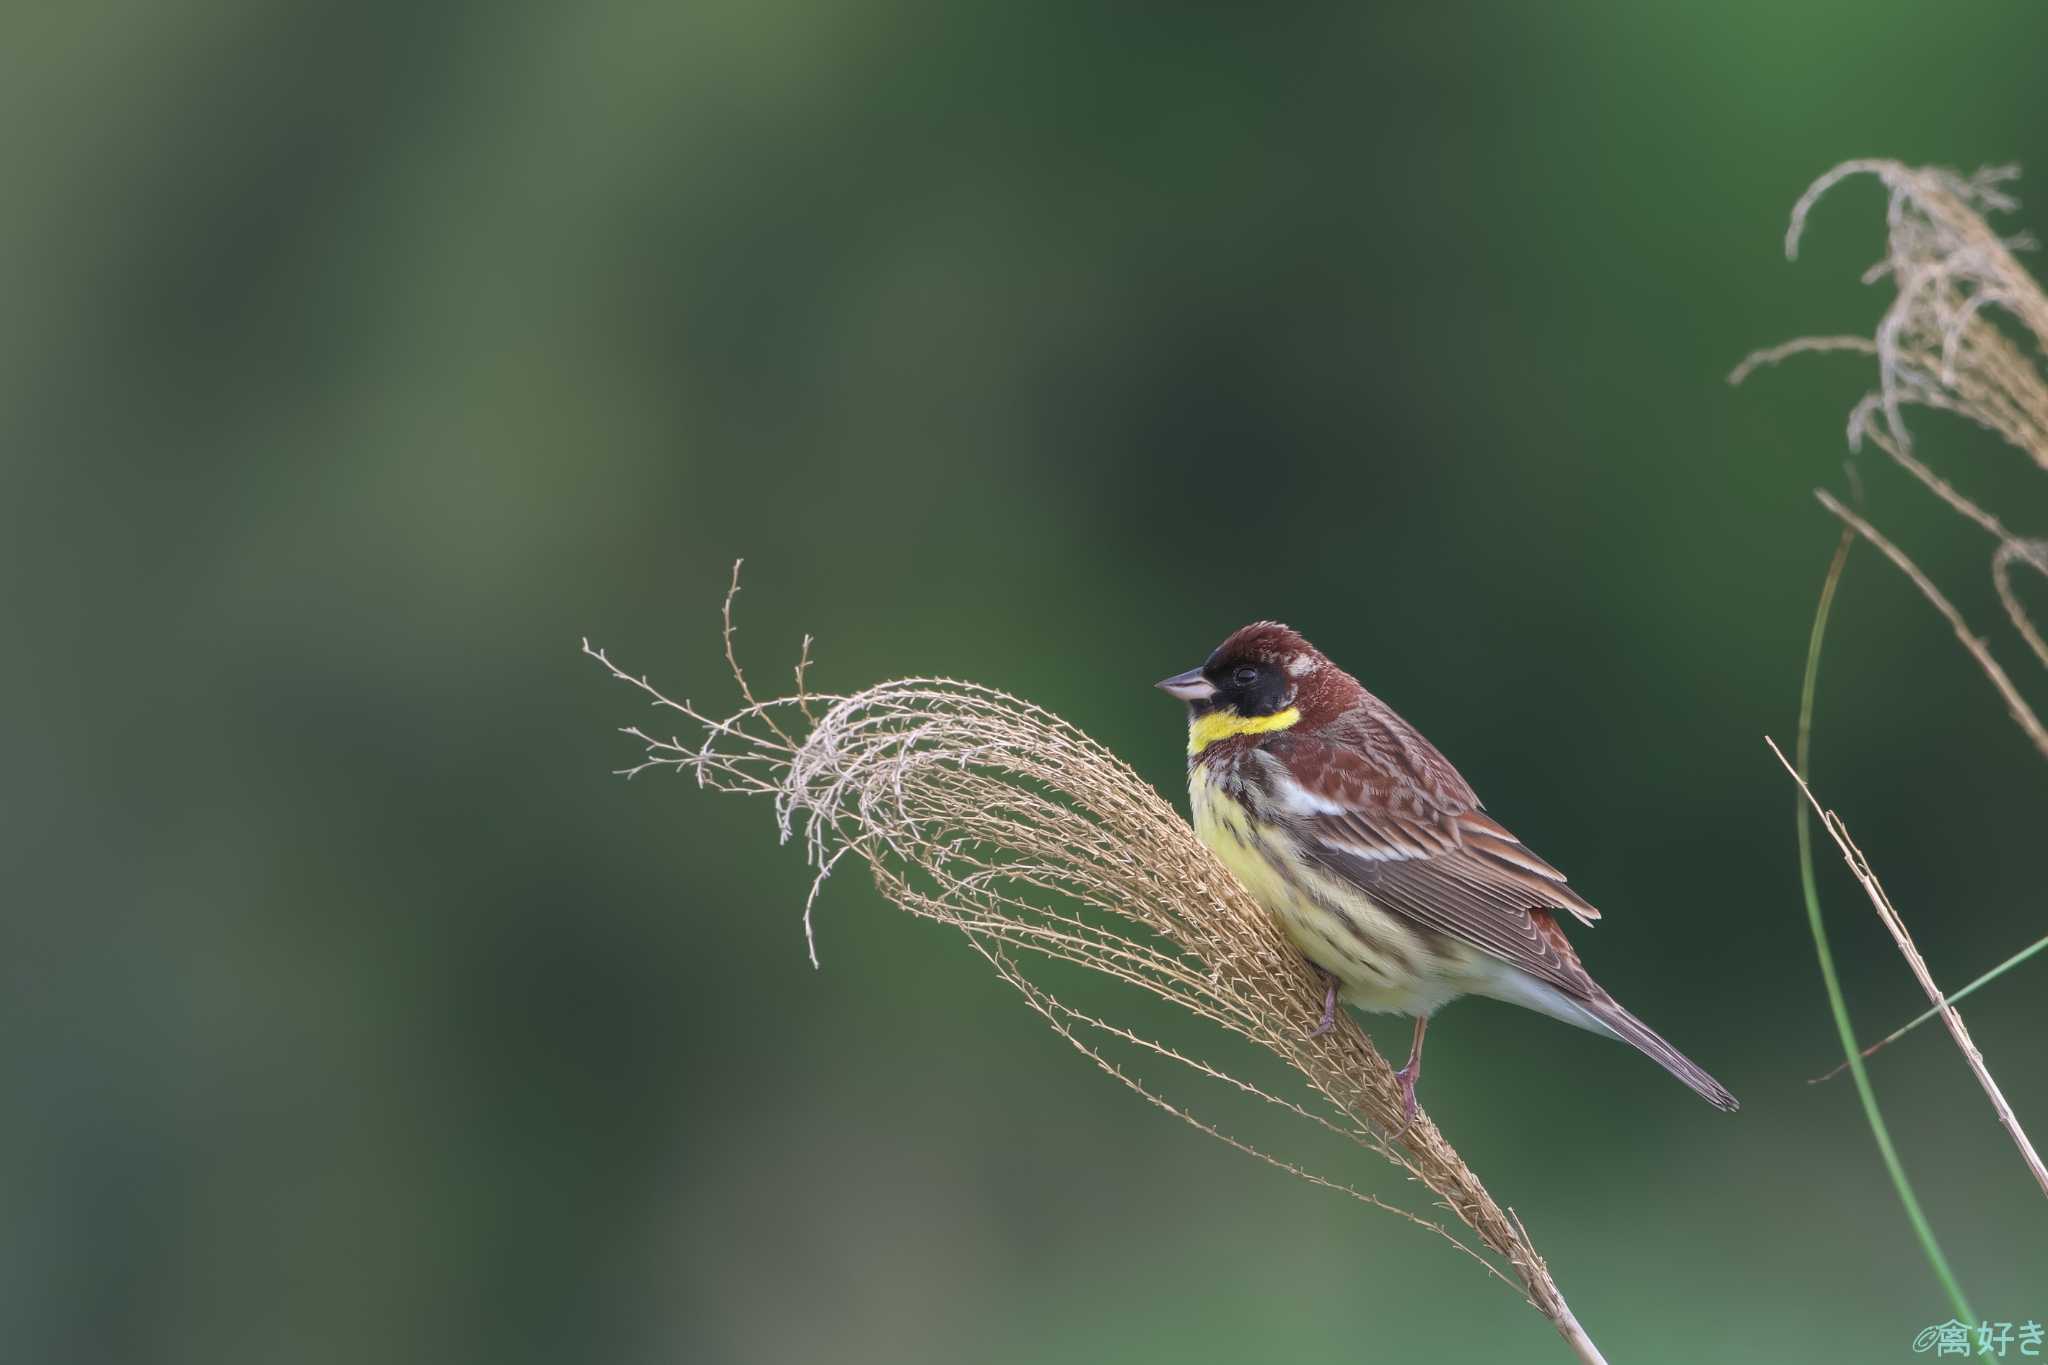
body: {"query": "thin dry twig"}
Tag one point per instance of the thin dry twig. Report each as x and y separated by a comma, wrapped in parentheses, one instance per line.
(2016, 704)
(1866, 877)
(1773, 355)
(991, 815)
(739, 675)
(2034, 555)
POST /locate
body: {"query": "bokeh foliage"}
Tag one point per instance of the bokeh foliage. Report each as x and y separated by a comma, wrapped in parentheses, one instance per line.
(360, 359)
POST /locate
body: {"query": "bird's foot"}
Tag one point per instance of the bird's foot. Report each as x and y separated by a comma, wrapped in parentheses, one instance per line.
(1329, 1019)
(1408, 1075)
(1406, 1078)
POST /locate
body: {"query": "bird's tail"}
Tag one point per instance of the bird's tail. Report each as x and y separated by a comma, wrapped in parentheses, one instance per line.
(1646, 1040)
(1595, 1010)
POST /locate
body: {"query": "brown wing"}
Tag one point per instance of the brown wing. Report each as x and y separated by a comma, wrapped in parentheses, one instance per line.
(1388, 813)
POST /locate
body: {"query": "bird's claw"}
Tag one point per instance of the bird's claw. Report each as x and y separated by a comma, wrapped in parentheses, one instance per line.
(1329, 1019)
(1406, 1078)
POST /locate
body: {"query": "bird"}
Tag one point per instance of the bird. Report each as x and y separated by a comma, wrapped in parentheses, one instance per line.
(1375, 855)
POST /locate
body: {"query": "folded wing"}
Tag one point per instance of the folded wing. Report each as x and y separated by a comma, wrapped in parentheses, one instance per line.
(1421, 848)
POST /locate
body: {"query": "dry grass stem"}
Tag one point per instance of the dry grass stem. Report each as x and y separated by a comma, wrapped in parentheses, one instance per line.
(2022, 714)
(1866, 877)
(1956, 998)
(997, 818)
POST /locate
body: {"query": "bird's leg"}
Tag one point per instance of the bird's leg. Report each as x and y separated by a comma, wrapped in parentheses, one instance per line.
(1408, 1075)
(1329, 1019)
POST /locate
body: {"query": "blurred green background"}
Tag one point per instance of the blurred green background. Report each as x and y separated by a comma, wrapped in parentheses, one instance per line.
(359, 359)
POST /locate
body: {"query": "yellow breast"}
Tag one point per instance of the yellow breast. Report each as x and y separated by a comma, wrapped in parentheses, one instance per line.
(1380, 962)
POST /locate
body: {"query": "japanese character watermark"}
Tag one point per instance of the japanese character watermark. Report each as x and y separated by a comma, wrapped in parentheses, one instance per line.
(1993, 1339)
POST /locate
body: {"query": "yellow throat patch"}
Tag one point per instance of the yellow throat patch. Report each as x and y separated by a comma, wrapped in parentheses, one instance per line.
(1206, 730)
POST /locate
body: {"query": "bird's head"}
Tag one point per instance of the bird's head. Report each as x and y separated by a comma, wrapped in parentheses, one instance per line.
(1256, 682)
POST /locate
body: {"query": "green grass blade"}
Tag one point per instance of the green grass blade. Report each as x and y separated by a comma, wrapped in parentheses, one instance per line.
(1836, 1002)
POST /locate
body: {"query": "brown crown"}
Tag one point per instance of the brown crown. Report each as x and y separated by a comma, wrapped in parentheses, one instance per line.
(1322, 690)
(1263, 642)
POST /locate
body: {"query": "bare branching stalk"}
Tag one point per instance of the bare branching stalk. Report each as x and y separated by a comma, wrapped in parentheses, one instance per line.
(997, 818)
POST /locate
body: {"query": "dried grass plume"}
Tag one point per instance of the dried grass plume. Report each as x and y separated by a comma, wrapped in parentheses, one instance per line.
(994, 817)
(1947, 342)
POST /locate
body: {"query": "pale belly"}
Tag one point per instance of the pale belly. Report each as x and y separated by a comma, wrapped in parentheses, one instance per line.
(1380, 962)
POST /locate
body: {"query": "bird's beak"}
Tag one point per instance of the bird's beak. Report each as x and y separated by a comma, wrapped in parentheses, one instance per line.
(1188, 686)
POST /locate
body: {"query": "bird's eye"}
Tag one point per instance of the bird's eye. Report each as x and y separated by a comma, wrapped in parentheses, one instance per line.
(1245, 676)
